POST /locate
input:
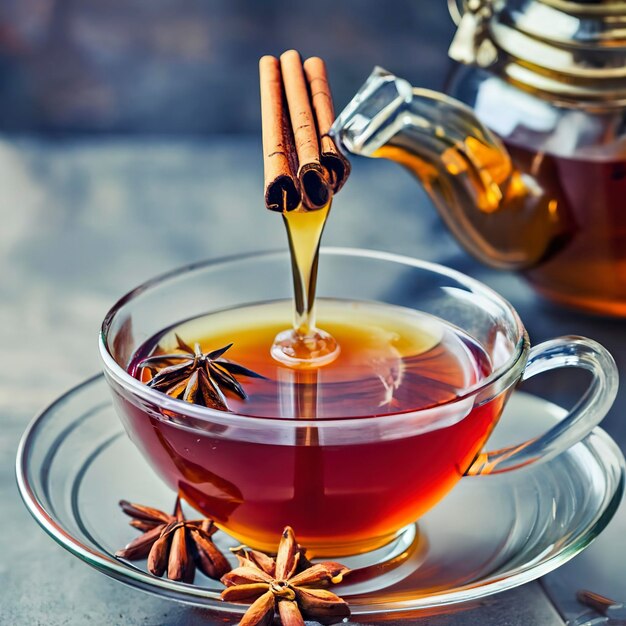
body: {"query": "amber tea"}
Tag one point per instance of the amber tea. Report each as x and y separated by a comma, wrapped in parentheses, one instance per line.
(394, 360)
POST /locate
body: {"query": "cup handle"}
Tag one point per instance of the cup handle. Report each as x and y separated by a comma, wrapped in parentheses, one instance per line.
(570, 351)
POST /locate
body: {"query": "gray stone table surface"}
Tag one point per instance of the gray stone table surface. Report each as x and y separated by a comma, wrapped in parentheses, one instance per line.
(83, 221)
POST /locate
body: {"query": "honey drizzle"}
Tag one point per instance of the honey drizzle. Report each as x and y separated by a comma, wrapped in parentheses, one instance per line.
(304, 231)
(305, 346)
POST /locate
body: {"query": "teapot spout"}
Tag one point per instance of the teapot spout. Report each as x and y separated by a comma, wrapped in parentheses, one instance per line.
(497, 213)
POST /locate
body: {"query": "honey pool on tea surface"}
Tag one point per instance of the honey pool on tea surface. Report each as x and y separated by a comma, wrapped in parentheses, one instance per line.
(344, 498)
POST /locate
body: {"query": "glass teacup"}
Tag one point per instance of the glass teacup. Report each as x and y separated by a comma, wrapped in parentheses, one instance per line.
(366, 478)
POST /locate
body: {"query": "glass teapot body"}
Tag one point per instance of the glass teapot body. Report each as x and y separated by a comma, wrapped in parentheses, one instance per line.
(526, 159)
(576, 158)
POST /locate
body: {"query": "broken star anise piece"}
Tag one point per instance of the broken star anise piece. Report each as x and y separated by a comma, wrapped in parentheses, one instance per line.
(195, 376)
(276, 586)
(173, 543)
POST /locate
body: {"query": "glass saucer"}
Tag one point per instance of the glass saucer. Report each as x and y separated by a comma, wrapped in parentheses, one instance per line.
(490, 534)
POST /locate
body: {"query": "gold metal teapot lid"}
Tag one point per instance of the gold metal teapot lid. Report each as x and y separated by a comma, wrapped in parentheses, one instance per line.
(573, 52)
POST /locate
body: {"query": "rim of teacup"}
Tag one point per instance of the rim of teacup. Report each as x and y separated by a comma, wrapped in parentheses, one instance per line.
(502, 376)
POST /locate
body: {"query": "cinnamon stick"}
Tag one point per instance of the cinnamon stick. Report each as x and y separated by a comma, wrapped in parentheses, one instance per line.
(303, 166)
(282, 189)
(314, 178)
(331, 158)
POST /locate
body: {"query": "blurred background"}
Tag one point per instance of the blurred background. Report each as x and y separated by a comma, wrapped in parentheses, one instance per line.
(190, 66)
(130, 144)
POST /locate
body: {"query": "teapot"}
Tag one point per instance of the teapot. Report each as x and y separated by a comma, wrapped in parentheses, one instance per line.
(525, 159)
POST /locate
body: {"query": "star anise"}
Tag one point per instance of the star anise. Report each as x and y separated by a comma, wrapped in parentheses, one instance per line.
(197, 377)
(276, 586)
(173, 543)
